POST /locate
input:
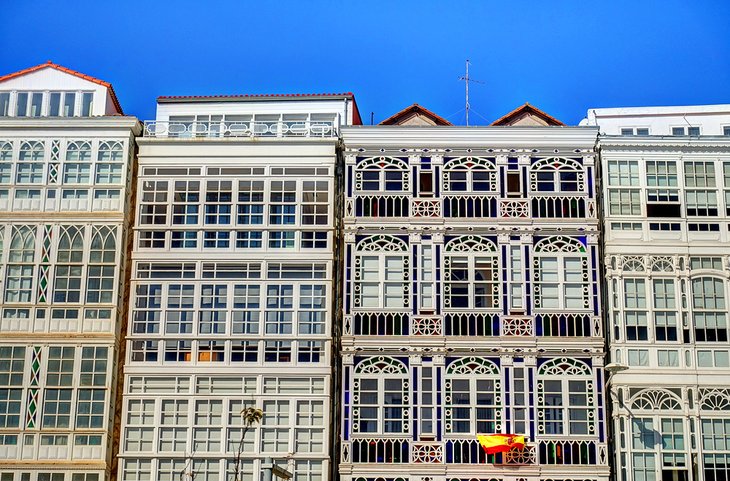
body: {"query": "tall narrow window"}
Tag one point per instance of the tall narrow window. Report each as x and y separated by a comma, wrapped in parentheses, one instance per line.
(283, 202)
(20, 269)
(381, 397)
(30, 165)
(662, 196)
(110, 163)
(250, 202)
(471, 274)
(77, 168)
(665, 310)
(153, 208)
(6, 163)
(566, 401)
(708, 304)
(635, 310)
(382, 273)
(87, 104)
(69, 104)
(472, 397)
(315, 202)
(561, 274)
(102, 265)
(67, 284)
(218, 202)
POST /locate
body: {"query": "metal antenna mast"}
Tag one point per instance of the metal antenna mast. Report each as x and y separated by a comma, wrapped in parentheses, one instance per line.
(466, 80)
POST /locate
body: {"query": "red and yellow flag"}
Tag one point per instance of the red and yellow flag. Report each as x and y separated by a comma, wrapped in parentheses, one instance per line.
(500, 443)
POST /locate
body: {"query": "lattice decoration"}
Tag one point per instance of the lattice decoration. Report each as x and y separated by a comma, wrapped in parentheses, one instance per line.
(554, 164)
(55, 150)
(523, 456)
(429, 453)
(470, 165)
(426, 208)
(517, 326)
(53, 169)
(519, 209)
(31, 414)
(44, 270)
(35, 366)
(427, 326)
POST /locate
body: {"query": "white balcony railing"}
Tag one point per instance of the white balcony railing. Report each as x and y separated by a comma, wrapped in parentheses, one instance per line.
(191, 129)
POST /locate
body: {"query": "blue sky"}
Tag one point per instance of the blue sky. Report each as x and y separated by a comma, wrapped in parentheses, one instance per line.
(563, 56)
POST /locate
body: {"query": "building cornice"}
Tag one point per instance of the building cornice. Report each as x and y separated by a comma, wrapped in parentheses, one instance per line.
(664, 142)
(448, 136)
(76, 123)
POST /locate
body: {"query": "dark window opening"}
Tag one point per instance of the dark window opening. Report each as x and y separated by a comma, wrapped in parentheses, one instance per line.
(513, 184)
(663, 210)
(425, 184)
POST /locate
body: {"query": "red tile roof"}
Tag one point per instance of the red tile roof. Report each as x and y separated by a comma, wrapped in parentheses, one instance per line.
(61, 68)
(527, 108)
(356, 112)
(414, 109)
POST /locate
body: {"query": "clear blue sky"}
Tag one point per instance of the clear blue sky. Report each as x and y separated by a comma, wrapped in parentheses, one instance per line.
(562, 56)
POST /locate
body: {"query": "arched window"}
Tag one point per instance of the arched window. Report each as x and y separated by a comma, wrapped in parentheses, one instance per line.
(110, 163)
(709, 313)
(381, 273)
(470, 174)
(382, 174)
(6, 165)
(77, 167)
(473, 397)
(67, 284)
(561, 274)
(557, 174)
(471, 278)
(21, 255)
(102, 256)
(659, 445)
(380, 397)
(30, 165)
(565, 398)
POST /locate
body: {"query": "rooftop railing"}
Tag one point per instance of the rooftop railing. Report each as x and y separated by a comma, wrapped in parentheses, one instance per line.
(194, 129)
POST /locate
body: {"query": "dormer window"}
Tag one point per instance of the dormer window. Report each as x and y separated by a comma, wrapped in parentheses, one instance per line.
(47, 104)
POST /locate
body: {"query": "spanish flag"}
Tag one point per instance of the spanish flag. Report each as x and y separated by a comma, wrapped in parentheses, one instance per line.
(500, 443)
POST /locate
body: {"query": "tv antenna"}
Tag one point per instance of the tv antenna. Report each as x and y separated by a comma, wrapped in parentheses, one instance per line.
(466, 80)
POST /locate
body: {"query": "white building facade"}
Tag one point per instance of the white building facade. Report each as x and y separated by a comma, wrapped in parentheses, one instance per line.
(471, 303)
(233, 288)
(66, 157)
(667, 256)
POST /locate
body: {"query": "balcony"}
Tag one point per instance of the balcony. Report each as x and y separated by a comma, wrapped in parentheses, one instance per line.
(244, 129)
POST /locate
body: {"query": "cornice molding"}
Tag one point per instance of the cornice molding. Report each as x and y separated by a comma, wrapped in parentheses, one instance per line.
(72, 123)
(492, 137)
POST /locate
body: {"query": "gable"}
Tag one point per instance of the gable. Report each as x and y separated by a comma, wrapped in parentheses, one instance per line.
(415, 115)
(527, 116)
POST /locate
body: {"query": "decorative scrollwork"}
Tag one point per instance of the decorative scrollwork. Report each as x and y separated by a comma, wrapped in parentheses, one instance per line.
(521, 456)
(661, 264)
(654, 399)
(517, 326)
(514, 208)
(559, 244)
(382, 243)
(473, 365)
(426, 208)
(564, 366)
(427, 326)
(430, 453)
(470, 243)
(381, 365)
(633, 264)
(715, 399)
